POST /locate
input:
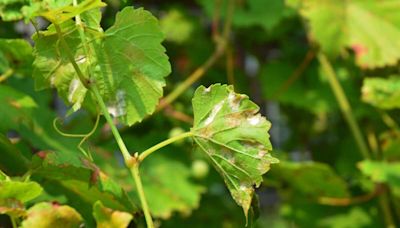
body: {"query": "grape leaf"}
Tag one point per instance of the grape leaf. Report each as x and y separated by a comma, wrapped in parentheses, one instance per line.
(382, 93)
(107, 218)
(17, 54)
(235, 137)
(10, 10)
(339, 24)
(12, 161)
(48, 215)
(127, 64)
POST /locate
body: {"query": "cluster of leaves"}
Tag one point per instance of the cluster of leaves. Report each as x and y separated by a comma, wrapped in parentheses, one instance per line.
(282, 53)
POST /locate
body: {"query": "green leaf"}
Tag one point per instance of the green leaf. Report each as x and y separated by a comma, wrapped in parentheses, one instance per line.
(127, 64)
(382, 93)
(375, 45)
(17, 108)
(356, 217)
(17, 54)
(22, 191)
(80, 181)
(312, 180)
(229, 130)
(48, 215)
(12, 161)
(382, 172)
(250, 12)
(176, 27)
(108, 218)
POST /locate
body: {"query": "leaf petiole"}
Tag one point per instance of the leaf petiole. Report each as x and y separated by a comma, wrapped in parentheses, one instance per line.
(162, 144)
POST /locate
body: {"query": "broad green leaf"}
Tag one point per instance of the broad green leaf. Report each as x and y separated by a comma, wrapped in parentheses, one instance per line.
(17, 108)
(382, 172)
(230, 131)
(382, 93)
(313, 180)
(337, 24)
(127, 64)
(108, 218)
(80, 181)
(22, 191)
(48, 215)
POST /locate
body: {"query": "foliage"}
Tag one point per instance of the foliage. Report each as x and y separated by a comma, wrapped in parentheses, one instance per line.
(296, 124)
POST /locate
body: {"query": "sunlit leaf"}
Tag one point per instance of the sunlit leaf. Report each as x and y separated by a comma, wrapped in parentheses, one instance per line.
(339, 24)
(48, 215)
(22, 191)
(382, 93)
(108, 218)
(382, 172)
(230, 131)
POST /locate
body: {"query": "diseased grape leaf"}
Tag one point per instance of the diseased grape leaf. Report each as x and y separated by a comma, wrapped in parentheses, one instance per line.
(48, 215)
(230, 131)
(371, 28)
(108, 218)
(382, 93)
(127, 63)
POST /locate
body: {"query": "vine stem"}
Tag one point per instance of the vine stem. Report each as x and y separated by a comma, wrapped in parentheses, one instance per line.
(344, 105)
(162, 144)
(131, 162)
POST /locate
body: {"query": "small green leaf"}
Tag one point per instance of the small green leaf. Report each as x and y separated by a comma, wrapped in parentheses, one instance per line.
(228, 128)
(48, 215)
(108, 218)
(382, 93)
(12, 161)
(10, 10)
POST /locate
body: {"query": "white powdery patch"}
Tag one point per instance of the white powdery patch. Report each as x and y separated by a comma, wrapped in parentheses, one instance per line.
(245, 187)
(255, 120)
(73, 88)
(119, 107)
(81, 59)
(234, 101)
(207, 90)
(214, 113)
(261, 153)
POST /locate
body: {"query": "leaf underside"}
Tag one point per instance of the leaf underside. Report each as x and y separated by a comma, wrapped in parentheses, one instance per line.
(229, 130)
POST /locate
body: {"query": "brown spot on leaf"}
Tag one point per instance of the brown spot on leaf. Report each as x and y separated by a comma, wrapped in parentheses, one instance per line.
(42, 154)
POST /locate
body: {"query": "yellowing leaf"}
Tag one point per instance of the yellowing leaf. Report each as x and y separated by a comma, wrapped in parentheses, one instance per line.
(48, 215)
(228, 128)
(108, 218)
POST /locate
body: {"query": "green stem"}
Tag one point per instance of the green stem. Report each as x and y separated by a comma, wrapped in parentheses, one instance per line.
(136, 176)
(344, 105)
(162, 144)
(125, 153)
(387, 215)
(131, 162)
